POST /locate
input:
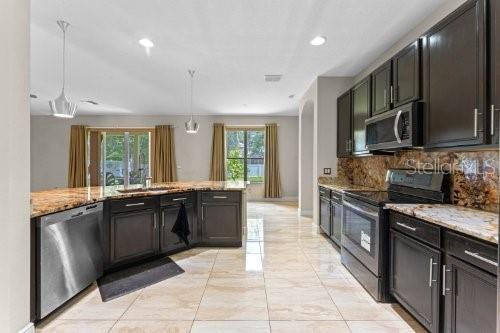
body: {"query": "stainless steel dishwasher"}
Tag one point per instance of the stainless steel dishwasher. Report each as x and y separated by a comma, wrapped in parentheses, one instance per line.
(69, 256)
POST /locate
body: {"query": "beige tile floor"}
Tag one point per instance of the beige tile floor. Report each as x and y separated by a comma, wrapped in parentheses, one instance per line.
(286, 278)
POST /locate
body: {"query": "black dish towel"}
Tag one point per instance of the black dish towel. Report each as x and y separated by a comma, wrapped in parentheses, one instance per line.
(181, 226)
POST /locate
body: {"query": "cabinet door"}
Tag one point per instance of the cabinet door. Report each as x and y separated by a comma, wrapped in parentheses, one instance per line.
(470, 298)
(360, 112)
(495, 71)
(455, 77)
(336, 223)
(414, 278)
(168, 240)
(221, 223)
(133, 235)
(381, 86)
(324, 216)
(344, 113)
(407, 74)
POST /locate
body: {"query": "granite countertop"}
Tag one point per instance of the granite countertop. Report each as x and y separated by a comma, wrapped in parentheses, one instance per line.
(473, 222)
(342, 186)
(56, 200)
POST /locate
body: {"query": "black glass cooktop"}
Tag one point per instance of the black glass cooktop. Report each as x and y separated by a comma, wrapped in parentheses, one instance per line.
(382, 197)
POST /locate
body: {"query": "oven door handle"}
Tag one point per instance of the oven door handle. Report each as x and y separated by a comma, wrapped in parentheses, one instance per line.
(396, 125)
(356, 208)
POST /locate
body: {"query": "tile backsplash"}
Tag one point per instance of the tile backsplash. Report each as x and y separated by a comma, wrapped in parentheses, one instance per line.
(474, 175)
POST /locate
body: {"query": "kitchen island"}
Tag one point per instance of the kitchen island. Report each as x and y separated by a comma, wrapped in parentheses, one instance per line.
(79, 234)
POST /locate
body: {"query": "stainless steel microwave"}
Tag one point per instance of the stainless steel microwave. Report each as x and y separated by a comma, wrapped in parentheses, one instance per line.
(395, 129)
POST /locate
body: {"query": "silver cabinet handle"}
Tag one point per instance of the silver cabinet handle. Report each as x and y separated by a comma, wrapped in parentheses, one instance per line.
(219, 197)
(179, 199)
(444, 289)
(406, 226)
(154, 221)
(477, 256)
(492, 116)
(475, 122)
(202, 214)
(431, 269)
(392, 94)
(385, 97)
(135, 204)
(396, 125)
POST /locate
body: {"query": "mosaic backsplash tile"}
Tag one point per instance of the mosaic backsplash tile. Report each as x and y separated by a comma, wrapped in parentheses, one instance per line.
(474, 175)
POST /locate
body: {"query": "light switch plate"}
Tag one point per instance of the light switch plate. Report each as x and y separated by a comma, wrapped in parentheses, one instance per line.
(327, 171)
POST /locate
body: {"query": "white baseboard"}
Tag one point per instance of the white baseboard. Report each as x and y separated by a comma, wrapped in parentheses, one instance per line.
(306, 212)
(30, 328)
(283, 199)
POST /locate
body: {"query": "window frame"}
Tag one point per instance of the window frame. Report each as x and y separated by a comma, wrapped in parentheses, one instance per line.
(245, 158)
(92, 170)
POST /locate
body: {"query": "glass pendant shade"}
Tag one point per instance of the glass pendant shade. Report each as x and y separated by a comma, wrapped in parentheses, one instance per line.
(191, 125)
(61, 107)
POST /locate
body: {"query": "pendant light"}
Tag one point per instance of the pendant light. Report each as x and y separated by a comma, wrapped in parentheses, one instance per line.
(191, 125)
(61, 107)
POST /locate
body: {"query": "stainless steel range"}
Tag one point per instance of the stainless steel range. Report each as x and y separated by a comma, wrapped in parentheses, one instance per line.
(365, 225)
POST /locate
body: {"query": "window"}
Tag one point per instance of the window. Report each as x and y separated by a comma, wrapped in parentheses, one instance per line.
(119, 156)
(245, 154)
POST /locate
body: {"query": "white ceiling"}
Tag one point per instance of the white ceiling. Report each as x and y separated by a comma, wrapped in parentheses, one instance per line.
(232, 44)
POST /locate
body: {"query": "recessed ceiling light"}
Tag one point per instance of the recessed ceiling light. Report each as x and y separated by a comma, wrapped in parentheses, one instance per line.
(147, 43)
(318, 40)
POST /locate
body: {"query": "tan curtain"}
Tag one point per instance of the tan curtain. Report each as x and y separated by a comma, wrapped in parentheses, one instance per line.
(164, 164)
(77, 175)
(272, 181)
(217, 163)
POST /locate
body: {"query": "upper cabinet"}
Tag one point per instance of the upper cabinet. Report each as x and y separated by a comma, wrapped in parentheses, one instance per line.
(494, 70)
(455, 78)
(361, 105)
(381, 88)
(344, 141)
(406, 76)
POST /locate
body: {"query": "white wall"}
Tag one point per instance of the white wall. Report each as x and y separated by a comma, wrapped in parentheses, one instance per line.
(322, 98)
(447, 7)
(50, 145)
(15, 147)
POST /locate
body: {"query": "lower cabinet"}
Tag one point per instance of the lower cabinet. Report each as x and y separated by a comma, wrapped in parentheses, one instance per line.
(169, 241)
(414, 278)
(325, 220)
(221, 218)
(336, 235)
(134, 235)
(470, 298)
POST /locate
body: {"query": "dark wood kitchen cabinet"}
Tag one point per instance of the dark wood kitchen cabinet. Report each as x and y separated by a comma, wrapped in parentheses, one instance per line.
(406, 75)
(361, 110)
(221, 218)
(134, 235)
(344, 134)
(169, 241)
(414, 278)
(454, 78)
(470, 298)
(494, 70)
(381, 88)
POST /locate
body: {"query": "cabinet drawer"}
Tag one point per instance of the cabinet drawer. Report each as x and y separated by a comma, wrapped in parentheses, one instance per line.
(337, 195)
(131, 204)
(324, 192)
(416, 228)
(220, 196)
(172, 199)
(474, 252)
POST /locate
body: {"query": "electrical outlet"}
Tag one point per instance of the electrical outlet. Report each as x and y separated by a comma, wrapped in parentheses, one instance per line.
(327, 171)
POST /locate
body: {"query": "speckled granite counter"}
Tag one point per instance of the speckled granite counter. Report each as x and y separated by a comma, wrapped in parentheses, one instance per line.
(56, 200)
(341, 186)
(473, 222)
